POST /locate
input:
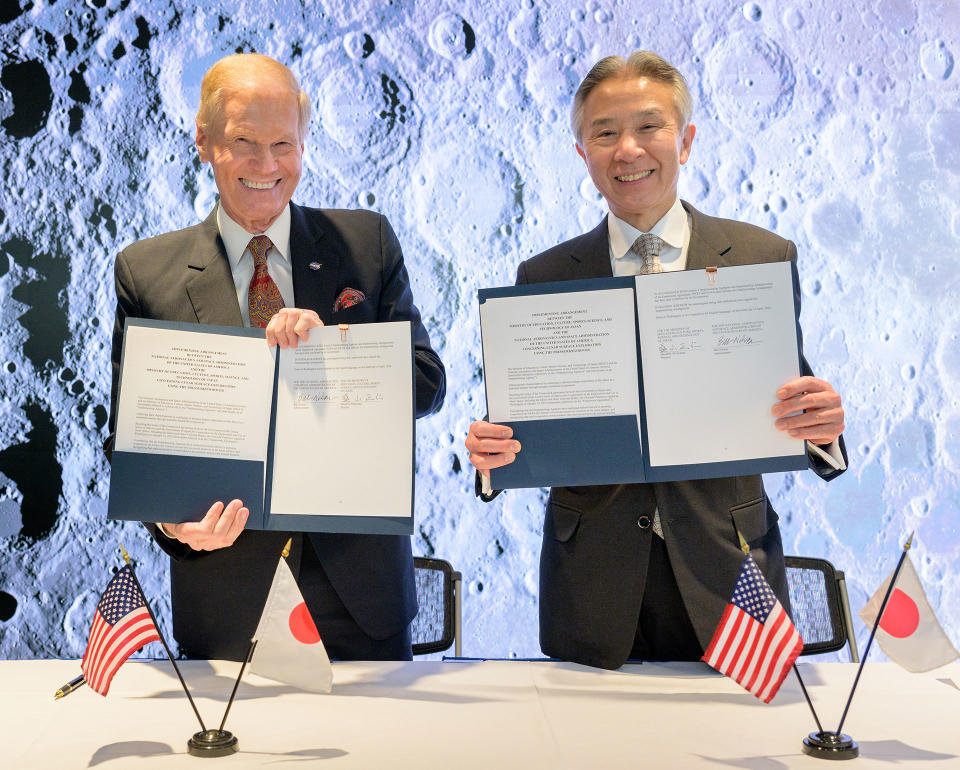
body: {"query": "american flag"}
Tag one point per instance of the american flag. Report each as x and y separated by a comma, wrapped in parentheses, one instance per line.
(121, 625)
(755, 643)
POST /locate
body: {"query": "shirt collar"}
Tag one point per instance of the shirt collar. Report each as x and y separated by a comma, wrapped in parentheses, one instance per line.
(236, 239)
(672, 228)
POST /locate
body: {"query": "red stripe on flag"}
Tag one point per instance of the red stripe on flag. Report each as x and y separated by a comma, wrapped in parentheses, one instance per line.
(108, 662)
(739, 629)
(786, 654)
(134, 626)
(718, 634)
(761, 658)
(743, 659)
(113, 646)
(123, 651)
(110, 637)
(776, 641)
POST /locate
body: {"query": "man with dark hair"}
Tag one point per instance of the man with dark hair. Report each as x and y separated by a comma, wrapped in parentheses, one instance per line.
(260, 260)
(645, 570)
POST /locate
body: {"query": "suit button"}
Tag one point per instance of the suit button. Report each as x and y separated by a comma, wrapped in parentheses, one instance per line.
(644, 522)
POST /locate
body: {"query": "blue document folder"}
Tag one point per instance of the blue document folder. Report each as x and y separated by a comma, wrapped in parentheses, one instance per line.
(164, 487)
(614, 448)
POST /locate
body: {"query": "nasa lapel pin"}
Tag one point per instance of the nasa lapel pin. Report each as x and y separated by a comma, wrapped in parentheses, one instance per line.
(315, 265)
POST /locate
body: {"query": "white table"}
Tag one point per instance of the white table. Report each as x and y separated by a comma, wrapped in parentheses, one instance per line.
(491, 715)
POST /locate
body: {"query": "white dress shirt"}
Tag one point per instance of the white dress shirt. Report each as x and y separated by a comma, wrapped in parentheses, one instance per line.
(236, 240)
(673, 229)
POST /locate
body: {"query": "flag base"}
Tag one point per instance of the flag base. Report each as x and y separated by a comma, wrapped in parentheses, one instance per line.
(212, 743)
(830, 746)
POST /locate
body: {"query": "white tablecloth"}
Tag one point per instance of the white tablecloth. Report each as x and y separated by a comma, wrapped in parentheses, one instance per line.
(491, 715)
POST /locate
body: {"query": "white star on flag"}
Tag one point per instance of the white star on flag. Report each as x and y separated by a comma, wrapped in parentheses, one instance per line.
(289, 648)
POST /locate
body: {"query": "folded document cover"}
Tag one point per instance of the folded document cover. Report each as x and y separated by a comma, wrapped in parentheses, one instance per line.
(661, 377)
(211, 413)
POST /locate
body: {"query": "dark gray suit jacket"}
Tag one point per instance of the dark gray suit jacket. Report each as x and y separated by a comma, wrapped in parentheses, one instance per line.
(185, 276)
(594, 555)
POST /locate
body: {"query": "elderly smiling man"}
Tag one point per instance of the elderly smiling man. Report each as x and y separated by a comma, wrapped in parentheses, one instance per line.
(260, 260)
(644, 570)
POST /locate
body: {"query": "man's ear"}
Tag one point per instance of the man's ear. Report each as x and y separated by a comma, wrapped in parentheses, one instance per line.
(201, 143)
(686, 141)
(580, 151)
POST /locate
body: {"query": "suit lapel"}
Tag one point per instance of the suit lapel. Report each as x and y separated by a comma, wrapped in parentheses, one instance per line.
(209, 284)
(709, 245)
(314, 270)
(590, 257)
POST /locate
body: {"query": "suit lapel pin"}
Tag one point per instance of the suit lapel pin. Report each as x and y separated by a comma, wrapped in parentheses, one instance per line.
(315, 265)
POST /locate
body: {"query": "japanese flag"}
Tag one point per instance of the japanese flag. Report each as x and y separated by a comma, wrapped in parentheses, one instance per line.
(908, 632)
(288, 644)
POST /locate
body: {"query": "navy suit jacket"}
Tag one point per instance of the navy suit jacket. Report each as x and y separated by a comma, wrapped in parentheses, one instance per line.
(594, 556)
(217, 596)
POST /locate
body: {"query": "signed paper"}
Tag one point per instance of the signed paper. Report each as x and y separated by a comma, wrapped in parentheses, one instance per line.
(714, 352)
(553, 356)
(345, 423)
(197, 395)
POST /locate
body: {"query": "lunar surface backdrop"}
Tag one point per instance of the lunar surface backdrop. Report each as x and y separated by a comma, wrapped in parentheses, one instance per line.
(836, 125)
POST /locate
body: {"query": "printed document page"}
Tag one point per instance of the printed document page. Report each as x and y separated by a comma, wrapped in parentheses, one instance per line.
(714, 352)
(344, 429)
(195, 394)
(562, 355)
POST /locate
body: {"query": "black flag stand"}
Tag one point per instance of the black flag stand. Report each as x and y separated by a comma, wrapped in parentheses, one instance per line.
(220, 742)
(836, 745)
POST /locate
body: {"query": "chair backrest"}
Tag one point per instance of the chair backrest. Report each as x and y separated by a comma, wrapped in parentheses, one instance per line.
(436, 625)
(818, 602)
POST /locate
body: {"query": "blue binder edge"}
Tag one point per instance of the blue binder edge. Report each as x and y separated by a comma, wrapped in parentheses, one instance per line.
(189, 486)
(577, 451)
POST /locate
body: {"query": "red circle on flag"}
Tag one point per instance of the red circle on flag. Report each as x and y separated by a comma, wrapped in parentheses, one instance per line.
(302, 627)
(901, 617)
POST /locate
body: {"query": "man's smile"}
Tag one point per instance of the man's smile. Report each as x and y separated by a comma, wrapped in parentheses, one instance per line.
(634, 177)
(259, 185)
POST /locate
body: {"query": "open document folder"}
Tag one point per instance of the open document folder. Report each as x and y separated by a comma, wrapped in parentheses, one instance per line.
(318, 438)
(660, 377)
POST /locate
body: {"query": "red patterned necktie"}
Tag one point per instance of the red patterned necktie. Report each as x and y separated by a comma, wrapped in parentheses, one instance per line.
(263, 295)
(647, 247)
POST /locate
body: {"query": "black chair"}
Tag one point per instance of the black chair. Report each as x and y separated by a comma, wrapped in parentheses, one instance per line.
(821, 609)
(437, 624)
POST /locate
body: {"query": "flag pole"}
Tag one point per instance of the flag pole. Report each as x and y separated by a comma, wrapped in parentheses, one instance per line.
(129, 563)
(253, 645)
(836, 745)
(220, 742)
(809, 702)
(876, 624)
(746, 549)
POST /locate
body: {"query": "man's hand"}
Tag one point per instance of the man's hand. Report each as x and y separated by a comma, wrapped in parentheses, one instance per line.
(290, 325)
(809, 409)
(218, 529)
(491, 446)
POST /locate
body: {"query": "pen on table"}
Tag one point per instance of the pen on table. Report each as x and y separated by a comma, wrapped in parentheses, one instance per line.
(69, 687)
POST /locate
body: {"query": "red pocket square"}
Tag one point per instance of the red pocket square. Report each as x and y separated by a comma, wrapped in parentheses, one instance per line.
(348, 298)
